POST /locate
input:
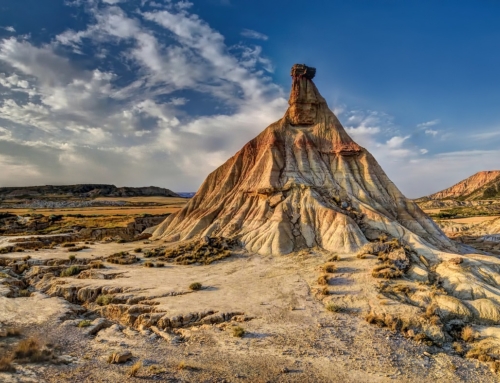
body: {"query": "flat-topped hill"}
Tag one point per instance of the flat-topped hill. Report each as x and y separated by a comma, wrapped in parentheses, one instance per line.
(85, 190)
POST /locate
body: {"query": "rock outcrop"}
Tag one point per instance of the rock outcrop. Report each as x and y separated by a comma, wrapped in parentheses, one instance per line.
(482, 185)
(303, 182)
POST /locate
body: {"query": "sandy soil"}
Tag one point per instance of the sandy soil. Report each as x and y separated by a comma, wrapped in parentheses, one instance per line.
(290, 338)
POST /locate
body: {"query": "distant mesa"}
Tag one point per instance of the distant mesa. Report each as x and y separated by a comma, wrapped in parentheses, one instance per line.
(302, 183)
(85, 190)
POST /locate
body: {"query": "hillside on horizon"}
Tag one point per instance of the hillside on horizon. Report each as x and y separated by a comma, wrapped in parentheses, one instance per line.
(481, 185)
(85, 190)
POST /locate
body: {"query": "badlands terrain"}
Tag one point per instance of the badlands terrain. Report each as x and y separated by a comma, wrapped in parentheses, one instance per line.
(298, 260)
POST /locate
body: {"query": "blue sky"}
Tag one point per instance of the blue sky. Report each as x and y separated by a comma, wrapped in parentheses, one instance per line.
(142, 92)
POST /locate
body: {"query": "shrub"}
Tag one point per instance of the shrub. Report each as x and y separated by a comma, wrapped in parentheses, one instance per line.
(72, 257)
(458, 347)
(70, 271)
(238, 332)
(68, 245)
(103, 300)
(195, 286)
(135, 369)
(84, 323)
(334, 308)
(160, 264)
(31, 350)
(156, 369)
(24, 293)
(97, 265)
(386, 271)
(468, 334)
(334, 258)
(121, 240)
(149, 264)
(138, 250)
(6, 364)
(323, 280)
(329, 268)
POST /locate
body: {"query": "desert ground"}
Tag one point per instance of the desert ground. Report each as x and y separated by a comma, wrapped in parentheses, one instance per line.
(290, 334)
(297, 260)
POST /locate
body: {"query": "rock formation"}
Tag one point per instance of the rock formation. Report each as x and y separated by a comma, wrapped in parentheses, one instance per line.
(482, 185)
(303, 182)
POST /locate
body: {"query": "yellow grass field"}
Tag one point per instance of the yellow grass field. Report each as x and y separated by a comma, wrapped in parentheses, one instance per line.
(169, 205)
(473, 219)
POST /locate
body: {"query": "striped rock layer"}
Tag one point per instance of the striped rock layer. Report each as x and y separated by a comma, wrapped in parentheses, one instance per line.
(302, 182)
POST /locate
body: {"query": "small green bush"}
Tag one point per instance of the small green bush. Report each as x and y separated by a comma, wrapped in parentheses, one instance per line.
(70, 271)
(195, 286)
(84, 323)
(104, 300)
(238, 332)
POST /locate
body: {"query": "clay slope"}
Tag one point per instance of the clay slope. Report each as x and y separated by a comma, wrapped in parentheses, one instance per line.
(482, 185)
(302, 182)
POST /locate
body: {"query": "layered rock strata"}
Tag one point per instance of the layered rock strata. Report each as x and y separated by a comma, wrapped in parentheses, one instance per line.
(303, 182)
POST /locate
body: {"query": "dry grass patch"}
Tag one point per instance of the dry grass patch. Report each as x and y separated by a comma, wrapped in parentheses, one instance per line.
(134, 370)
(329, 268)
(387, 271)
(323, 280)
(97, 265)
(104, 299)
(334, 307)
(203, 251)
(6, 364)
(238, 332)
(468, 334)
(84, 323)
(122, 258)
(70, 271)
(481, 352)
(31, 350)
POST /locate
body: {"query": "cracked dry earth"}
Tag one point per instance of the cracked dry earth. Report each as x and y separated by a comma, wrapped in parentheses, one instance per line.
(289, 335)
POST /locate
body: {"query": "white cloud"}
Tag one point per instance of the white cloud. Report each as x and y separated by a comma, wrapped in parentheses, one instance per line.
(251, 34)
(486, 135)
(431, 132)
(396, 141)
(424, 151)
(429, 123)
(81, 118)
(9, 29)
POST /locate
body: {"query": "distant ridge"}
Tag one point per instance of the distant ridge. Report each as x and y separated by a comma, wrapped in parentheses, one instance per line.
(482, 185)
(85, 190)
